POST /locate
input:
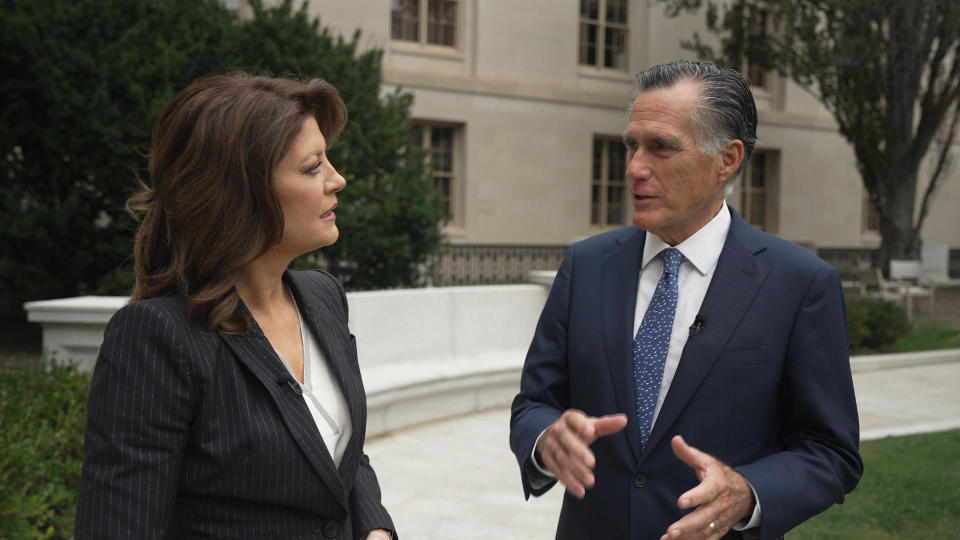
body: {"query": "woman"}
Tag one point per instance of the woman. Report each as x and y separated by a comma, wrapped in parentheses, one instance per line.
(227, 401)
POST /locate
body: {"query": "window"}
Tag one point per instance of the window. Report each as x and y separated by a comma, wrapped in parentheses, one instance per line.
(757, 30)
(871, 217)
(604, 33)
(441, 142)
(432, 22)
(758, 201)
(608, 194)
(756, 39)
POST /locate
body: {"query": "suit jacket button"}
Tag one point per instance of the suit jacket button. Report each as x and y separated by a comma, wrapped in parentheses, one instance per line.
(331, 529)
(639, 481)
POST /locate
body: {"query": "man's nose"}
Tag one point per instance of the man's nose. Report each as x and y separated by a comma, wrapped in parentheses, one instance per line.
(638, 168)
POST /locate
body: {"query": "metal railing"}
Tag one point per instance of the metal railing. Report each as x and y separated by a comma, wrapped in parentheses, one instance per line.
(487, 264)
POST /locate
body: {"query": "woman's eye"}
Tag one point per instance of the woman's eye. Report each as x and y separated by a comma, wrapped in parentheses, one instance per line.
(315, 168)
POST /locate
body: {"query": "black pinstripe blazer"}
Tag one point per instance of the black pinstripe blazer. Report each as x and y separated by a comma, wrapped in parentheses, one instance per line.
(198, 434)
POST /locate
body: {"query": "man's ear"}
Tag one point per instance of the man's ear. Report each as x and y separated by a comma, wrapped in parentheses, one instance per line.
(729, 159)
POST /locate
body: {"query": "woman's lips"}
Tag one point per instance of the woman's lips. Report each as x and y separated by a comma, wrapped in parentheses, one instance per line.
(329, 215)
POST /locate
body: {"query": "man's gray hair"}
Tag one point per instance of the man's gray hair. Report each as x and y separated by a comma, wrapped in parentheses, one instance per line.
(726, 110)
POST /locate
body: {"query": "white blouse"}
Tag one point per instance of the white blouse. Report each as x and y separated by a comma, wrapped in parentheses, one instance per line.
(323, 395)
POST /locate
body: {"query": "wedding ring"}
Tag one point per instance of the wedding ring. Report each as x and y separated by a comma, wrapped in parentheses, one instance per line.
(713, 527)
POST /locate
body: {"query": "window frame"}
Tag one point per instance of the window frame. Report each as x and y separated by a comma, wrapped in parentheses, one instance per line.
(769, 191)
(454, 175)
(602, 24)
(869, 216)
(423, 23)
(604, 183)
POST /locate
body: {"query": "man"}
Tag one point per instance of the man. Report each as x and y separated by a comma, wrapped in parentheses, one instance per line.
(726, 409)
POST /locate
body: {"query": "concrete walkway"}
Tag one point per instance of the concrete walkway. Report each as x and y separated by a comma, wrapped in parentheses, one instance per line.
(458, 479)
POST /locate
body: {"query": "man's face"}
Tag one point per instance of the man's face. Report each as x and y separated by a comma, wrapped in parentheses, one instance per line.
(676, 189)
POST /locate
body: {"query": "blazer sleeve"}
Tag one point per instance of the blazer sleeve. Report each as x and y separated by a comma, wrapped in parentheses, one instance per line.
(138, 417)
(820, 461)
(367, 511)
(544, 388)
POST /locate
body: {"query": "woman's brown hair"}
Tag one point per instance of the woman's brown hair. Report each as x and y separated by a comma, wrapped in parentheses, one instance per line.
(210, 207)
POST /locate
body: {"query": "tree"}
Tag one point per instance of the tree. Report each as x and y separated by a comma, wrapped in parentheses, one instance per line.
(82, 82)
(888, 71)
(389, 213)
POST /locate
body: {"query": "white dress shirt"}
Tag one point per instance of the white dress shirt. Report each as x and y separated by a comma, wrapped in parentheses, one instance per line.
(701, 252)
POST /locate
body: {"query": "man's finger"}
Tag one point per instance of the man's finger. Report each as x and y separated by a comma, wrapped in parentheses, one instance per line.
(702, 493)
(560, 465)
(572, 463)
(608, 425)
(696, 524)
(688, 454)
(576, 448)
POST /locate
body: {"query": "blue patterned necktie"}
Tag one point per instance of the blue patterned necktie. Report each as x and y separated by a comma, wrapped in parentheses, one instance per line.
(651, 343)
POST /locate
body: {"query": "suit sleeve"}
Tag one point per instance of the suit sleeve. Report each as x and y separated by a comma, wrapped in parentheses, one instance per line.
(367, 511)
(138, 417)
(544, 389)
(820, 461)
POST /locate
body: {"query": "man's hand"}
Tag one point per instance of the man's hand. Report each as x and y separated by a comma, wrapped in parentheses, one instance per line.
(378, 534)
(723, 496)
(564, 447)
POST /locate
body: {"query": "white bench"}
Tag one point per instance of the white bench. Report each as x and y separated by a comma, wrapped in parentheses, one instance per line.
(424, 354)
(910, 278)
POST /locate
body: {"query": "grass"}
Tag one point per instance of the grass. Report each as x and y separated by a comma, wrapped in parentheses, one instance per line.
(926, 336)
(910, 489)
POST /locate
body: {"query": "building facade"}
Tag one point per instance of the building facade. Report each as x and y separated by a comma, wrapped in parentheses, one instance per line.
(523, 104)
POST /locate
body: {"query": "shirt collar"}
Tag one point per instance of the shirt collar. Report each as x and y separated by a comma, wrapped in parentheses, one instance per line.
(702, 249)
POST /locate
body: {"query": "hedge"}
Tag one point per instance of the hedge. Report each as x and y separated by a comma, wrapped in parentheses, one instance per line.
(875, 323)
(42, 411)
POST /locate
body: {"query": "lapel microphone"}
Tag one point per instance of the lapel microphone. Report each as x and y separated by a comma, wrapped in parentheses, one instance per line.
(697, 325)
(287, 378)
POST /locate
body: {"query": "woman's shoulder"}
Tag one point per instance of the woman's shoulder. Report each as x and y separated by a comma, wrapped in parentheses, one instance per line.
(160, 313)
(316, 278)
(319, 286)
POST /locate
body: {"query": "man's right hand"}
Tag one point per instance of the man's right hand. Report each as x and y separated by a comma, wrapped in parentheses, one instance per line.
(564, 447)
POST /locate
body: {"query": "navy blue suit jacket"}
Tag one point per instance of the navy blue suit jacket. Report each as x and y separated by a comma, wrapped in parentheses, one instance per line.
(198, 434)
(764, 386)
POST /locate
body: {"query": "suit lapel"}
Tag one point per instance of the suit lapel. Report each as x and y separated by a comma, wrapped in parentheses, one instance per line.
(732, 290)
(323, 324)
(255, 352)
(621, 271)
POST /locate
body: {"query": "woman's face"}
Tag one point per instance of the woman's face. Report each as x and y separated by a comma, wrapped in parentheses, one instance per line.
(306, 185)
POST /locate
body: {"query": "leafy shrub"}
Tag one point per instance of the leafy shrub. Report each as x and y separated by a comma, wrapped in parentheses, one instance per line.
(102, 70)
(857, 329)
(875, 323)
(42, 412)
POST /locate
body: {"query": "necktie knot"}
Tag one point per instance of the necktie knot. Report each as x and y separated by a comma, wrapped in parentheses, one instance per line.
(671, 260)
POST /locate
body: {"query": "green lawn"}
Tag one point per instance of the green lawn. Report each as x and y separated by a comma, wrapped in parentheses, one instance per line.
(910, 489)
(926, 336)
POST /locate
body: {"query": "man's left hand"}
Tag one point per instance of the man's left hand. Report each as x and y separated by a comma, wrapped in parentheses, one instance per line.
(378, 534)
(722, 498)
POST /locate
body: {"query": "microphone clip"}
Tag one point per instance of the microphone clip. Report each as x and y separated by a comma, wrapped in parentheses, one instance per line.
(698, 323)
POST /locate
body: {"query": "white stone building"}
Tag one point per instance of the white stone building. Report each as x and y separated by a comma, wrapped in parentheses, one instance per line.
(523, 103)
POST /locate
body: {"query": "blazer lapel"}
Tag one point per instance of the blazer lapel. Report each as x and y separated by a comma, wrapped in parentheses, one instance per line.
(621, 271)
(324, 325)
(734, 286)
(255, 352)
